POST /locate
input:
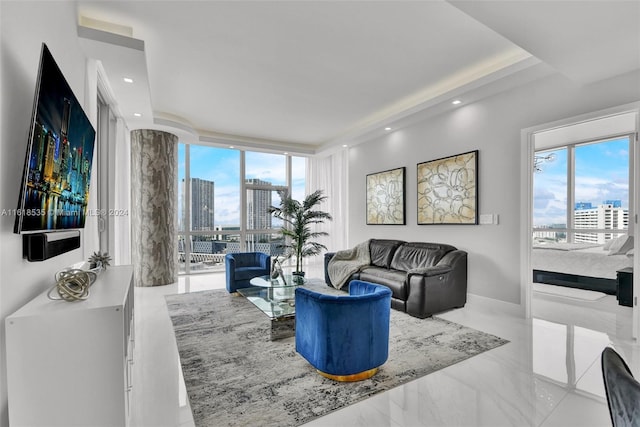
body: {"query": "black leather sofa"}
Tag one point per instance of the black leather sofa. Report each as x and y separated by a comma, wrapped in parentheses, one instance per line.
(424, 278)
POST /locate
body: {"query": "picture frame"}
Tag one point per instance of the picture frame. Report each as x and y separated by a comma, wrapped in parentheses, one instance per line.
(386, 200)
(447, 190)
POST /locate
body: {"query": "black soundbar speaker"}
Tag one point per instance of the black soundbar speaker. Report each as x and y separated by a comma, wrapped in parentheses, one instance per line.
(41, 246)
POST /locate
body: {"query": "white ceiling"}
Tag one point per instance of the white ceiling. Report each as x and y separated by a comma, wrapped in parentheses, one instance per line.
(307, 75)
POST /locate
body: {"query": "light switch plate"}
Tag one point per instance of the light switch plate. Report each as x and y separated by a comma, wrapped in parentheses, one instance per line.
(486, 219)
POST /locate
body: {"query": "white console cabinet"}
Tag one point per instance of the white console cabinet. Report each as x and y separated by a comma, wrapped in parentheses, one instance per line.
(69, 363)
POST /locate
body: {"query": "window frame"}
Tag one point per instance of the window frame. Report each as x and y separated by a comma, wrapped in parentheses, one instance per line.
(243, 231)
(571, 230)
(105, 165)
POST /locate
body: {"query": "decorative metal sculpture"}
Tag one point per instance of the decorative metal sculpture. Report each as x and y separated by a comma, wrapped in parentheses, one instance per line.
(73, 285)
(276, 269)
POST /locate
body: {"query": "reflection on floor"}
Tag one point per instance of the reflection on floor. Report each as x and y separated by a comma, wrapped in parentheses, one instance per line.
(548, 375)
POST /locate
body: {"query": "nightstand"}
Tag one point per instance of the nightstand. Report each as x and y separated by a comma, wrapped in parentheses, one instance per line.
(624, 292)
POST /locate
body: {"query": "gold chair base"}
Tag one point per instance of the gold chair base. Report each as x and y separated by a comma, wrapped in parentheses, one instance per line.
(350, 378)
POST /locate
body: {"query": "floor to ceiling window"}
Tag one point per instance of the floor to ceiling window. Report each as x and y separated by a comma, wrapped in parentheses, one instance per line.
(224, 199)
(582, 205)
(582, 192)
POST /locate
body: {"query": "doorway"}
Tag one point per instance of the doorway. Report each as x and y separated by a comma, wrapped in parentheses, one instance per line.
(578, 205)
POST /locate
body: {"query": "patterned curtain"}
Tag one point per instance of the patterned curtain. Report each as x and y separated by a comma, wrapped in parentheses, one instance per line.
(154, 159)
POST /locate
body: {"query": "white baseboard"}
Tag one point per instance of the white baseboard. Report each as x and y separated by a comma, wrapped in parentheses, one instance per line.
(509, 308)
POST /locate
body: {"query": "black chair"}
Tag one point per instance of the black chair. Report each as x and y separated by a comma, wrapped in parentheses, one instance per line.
(622, 390)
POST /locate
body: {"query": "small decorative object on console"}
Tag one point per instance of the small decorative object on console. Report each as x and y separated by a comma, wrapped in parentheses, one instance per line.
(73, 285)
(99, 260)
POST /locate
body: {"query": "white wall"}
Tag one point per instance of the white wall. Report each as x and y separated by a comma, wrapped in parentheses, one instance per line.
(23, 27)
(493, 127)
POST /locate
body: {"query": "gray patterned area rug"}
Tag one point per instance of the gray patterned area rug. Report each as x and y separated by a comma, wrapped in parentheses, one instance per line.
(236, 376)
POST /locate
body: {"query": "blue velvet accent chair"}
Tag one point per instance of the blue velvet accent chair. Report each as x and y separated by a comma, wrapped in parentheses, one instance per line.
(345, 337)
(241, 267)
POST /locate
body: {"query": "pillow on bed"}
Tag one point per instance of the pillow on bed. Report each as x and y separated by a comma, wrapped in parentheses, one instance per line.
(607, 245)
(621, 245)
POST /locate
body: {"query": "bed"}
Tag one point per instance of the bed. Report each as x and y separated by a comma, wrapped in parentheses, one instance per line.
(580, 265)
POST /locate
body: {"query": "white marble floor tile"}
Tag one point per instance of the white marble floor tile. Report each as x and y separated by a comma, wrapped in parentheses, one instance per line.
(577, 410)
(591, 383)
(548, 375)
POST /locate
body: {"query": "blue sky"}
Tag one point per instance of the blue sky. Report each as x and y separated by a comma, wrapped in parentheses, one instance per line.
(602, 173)
(222, 166)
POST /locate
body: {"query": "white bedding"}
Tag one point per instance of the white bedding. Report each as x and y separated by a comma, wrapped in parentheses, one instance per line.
(579, 259)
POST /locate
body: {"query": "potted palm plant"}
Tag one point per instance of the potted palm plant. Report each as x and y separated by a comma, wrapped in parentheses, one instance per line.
(298, 219)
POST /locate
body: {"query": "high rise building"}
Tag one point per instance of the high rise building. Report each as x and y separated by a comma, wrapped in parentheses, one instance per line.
(36, 165)
(258, 216)
(608, 216)
(202, 204)
(258, 204)
(49, 156)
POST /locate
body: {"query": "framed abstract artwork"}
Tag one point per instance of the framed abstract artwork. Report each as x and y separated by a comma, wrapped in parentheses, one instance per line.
(448, 190)
(386, 197)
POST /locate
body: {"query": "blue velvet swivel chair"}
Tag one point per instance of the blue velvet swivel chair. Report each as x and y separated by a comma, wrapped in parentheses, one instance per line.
(345, 337)
(241, 267)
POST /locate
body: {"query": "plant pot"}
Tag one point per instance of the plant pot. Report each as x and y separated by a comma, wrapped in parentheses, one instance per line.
(298, 277)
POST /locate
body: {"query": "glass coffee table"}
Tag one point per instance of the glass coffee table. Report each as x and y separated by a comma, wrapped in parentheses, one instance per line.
(276, 298)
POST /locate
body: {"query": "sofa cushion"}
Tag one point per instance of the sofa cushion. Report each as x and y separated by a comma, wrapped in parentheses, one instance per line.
(393, 279)
(418, 255)
(381, 251)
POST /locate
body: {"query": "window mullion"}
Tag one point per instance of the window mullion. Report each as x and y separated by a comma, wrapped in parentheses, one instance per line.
(243, 202)
(187, 208)
(289, 182)
(571, 191)
(632, 198)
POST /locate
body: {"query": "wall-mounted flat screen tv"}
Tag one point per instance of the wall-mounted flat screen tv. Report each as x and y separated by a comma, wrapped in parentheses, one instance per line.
(57, 170)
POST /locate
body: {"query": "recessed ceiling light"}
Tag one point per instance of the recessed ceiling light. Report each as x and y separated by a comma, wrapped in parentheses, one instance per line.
(128, 80)
(231, 146)
(285, 153)
(344, 146)
(387, 128)
(137, 114)
(456, 102)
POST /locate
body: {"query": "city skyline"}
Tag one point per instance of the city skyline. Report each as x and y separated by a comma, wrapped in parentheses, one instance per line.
(601, 173)
(222, 166)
